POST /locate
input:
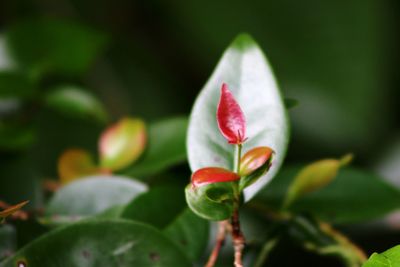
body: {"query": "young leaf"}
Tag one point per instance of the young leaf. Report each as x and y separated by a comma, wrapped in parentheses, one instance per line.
(254, 159)
(353, 196)
(390, 257)
(75, 163)
(122, 143)
(11, 210)
(314, 177)
(230, 118)
(213, 175)
(244, 67)
(166, 147)
(101, 243)
(74, 101)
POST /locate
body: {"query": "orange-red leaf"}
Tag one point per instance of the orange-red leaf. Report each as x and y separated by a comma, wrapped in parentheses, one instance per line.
(213, 175)
(75, 163)
(230, 117)
(254, 159)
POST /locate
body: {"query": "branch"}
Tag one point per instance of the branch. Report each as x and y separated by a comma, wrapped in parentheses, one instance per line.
(222, 228)
(237, 239)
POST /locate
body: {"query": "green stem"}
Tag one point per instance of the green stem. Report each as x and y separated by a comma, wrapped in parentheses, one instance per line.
(238, 155)
(236, 168)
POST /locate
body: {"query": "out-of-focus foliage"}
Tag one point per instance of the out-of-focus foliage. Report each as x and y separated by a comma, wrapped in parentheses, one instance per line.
(149, 59)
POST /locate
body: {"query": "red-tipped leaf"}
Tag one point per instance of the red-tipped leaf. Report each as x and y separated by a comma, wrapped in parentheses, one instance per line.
(230, 117)
(254, 159)
(211, 175)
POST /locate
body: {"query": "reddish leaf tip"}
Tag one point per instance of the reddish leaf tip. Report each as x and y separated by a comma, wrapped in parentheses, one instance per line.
(254, 159)
(211, 175)
(230, 117)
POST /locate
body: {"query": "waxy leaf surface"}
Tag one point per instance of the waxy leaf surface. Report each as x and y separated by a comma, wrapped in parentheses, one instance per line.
(245, 69)
(90, 196)
(103, 243)
(254, 159)
(213, 175)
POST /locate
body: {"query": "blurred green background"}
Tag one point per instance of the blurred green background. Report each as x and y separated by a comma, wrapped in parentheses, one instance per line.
(150, 59)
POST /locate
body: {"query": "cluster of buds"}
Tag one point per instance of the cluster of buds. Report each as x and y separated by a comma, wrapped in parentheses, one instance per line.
(213, 191)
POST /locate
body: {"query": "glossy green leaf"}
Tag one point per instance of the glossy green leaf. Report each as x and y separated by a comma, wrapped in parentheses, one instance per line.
(165, 208)
(90, 196)
(49, 45)
(104, 243)
(214, 202)
(157, 207)
(245, 69)
(75, 101)
(190, 233)
(122, 143)
(354, 196)
(166, 147)
(389, 258)
(15, 85)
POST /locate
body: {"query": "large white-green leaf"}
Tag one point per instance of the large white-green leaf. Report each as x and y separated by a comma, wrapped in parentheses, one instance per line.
(247, 72)
(91, 196)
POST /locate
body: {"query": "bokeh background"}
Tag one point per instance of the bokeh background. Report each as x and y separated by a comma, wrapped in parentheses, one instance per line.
(150, 59)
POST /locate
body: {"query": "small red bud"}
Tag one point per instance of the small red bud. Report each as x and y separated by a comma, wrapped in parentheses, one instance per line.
(230, 118)
(213, 175)
(254, 159)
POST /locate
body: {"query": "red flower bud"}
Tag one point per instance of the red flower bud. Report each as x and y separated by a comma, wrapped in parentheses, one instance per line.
(230, 118)
(213, 175)
(254, 159)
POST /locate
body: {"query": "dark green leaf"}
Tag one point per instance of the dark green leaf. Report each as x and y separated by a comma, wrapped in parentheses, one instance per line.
(157, 207)
(389, 258)
(49, 45)
(190, 233)
(15, 85)
(165, 208)
(353, 196)
(166, 147)
(90, 196)
(108, 243)
(75, 101)
(246, 71)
